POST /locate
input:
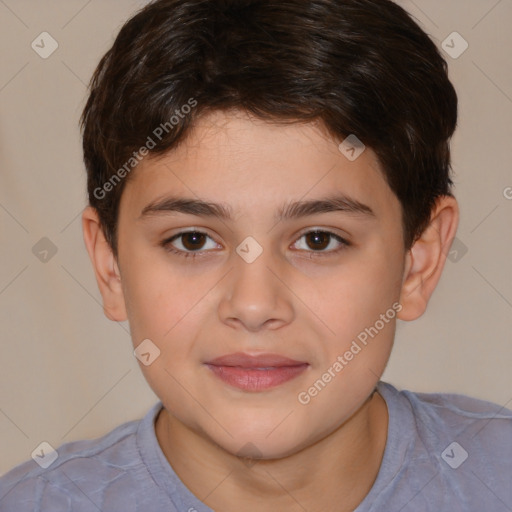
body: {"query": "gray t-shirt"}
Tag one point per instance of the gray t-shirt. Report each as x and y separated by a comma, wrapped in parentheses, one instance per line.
(444, 452)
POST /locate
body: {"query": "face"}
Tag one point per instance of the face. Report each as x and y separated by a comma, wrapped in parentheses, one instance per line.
(274, 320)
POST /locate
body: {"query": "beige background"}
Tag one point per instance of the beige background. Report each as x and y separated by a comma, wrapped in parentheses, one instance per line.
(68, 373)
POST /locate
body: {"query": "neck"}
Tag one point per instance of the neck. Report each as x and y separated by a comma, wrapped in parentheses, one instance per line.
(334, 473)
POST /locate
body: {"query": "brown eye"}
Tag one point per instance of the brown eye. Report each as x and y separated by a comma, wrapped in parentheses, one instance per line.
(318, 240)
(193, 240)
(189, 243)
(320, 243)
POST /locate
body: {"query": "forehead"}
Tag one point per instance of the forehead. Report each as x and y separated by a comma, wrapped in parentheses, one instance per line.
(247, 162)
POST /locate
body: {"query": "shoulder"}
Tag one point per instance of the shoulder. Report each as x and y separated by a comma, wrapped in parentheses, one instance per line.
(80, 473)
(458, 447)
(451, 415)
(450, 410)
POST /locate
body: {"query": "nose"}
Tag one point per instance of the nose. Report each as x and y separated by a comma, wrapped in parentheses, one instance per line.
(255, 296)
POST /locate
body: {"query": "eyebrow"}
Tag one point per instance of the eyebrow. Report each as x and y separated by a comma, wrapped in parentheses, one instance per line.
(293, 210)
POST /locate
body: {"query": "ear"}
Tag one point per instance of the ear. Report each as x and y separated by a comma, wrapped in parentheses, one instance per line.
(105, 266)
(425, 260)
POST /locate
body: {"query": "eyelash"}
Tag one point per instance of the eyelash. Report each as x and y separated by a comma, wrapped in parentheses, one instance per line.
(167, 244)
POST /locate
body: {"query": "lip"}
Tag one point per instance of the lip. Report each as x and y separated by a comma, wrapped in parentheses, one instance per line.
(257, 361)
(256, 373)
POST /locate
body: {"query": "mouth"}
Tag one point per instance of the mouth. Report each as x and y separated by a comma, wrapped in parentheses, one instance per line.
(256, 373)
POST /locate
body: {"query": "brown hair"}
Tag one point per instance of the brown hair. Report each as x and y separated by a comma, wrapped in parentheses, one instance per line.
(361, 67)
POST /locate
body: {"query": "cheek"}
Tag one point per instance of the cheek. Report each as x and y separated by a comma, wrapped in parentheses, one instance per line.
(167, 307)
(360, 305)
(167, 313)
(361, 309)
(154, 299)
(356, 297)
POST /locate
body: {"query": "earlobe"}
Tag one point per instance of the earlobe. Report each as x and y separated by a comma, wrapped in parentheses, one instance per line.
(105, 266)
(426, 259)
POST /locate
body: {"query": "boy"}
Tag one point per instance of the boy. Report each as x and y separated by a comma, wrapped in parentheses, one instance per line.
(269, 192)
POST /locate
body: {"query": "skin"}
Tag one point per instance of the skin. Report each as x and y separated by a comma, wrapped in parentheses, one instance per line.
(293, 300)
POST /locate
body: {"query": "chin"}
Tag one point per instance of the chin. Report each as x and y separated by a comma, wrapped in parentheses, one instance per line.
(262, 449)
(258, 443)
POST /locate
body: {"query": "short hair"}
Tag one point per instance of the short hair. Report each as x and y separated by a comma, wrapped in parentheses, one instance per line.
(362, 67)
